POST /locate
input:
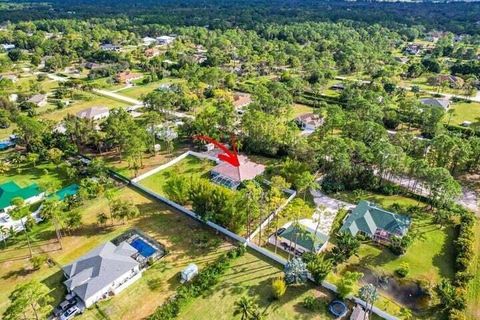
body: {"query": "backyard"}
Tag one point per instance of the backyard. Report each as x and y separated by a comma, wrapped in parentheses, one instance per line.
(150, 161)
(161, 223)
(43, 174)
(189, 167)
(465, 111)
(429, 257)
(140, 89)
(252, 276)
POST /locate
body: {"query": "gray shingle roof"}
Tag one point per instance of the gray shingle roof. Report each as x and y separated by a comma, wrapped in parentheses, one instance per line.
(434, 102)
(367, 218)
(99, 268)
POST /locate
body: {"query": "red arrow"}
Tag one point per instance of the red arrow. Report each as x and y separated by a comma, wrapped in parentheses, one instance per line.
(228, 156)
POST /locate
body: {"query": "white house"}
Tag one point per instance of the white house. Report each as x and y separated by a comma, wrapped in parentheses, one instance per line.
(40, 100)
(7, 46)
(436, 102)
(309, 122)
(104, 271)
(110, 47)
(147, 41)
(94, 113)
(165, 40)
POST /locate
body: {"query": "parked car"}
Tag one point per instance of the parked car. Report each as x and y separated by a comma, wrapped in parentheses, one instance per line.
(64, 306)
(70, 313)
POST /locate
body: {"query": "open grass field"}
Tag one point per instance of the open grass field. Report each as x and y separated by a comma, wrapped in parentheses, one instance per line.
(300, 109)
(465, 111)
(183, 238)
(473, 291)
(96, 101)
(5, 133)
(42, 174)
(149, 161)
(139, 90)
(252, 276)
(189, 167)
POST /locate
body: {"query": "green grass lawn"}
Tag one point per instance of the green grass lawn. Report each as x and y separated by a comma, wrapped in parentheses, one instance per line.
(300, 109)
(139, 90)
(189, 167)
(179, 234)
(430, 256)
(251, 276)
(465, 111)
(150, 161)
(5, 133)
(473, 291)
(42, 174)
(95, 101)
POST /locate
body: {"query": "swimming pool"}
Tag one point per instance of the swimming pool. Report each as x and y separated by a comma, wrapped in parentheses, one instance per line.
(143, 248)
(6, 144)
(67, 191)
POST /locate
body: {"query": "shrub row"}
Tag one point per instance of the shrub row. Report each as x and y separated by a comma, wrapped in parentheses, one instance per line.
(201, 285)
(464, 250)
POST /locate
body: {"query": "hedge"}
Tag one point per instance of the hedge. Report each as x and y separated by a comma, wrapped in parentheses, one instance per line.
(202, 283)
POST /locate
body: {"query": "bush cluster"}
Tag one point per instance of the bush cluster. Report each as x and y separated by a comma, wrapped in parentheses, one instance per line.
(464, 250)
(452, 294)
(202, 283)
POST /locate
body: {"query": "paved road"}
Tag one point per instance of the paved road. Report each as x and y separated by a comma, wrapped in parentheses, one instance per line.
(114, 95)
(136, 103)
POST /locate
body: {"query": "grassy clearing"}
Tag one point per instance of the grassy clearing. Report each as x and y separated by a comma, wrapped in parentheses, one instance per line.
(149, 161)
(465, 111)
(252, 276)
(189, 167)
(139, 90)
(42, 174)
(5, 133)
(300, 109)
(473, 292)
(96, 101)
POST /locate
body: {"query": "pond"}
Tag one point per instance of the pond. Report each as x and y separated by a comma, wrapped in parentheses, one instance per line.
(406, 292)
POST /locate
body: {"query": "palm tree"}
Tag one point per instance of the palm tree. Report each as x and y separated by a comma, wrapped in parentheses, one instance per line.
(257, 314)
(52, 209)
(244, 307)
(368, 293)
(4, 233)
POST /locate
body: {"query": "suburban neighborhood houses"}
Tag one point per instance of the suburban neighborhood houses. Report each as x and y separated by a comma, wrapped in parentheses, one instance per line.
(239, 161)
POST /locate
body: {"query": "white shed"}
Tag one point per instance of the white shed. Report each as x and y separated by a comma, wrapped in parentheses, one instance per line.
(189, 272)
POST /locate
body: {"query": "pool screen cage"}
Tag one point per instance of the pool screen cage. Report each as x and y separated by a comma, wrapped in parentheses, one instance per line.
(225, 181)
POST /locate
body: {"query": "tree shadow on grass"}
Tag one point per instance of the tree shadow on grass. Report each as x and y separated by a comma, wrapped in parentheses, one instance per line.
(22, 272)
(57, 289)
(444, 260)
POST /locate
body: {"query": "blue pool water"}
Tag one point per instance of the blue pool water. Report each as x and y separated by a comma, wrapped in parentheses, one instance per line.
(6, 144)
(143, 248)
(67, 191)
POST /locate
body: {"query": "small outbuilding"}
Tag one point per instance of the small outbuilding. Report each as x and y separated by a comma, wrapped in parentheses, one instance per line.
(189, 272)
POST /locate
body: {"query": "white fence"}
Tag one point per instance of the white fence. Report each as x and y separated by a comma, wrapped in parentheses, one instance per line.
(172, 162)
(269, 219)
(267, 253)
